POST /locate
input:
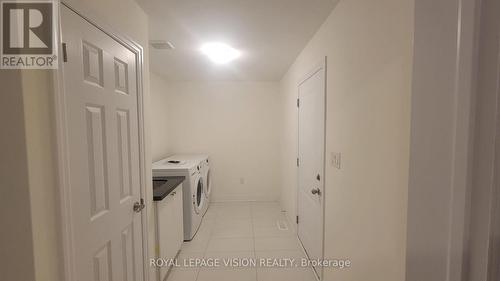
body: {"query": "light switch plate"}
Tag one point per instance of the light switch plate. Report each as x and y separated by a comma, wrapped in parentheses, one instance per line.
(335, 159)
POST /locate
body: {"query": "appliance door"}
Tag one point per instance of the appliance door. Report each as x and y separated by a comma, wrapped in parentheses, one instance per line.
(198, 194)
(208, 182)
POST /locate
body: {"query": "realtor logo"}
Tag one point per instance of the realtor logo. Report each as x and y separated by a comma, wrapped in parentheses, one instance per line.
(28, 35)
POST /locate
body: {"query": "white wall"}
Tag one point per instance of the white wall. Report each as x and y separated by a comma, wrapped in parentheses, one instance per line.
(160, 136)
(16, 240)
(369, 49)
(237, 124)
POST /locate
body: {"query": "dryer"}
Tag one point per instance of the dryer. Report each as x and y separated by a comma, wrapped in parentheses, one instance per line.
(204, 162)
(194, 199)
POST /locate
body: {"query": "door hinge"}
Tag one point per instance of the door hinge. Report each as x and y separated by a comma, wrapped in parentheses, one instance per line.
(297, 219)
(64, 52)
(298, 102)
(297, 162)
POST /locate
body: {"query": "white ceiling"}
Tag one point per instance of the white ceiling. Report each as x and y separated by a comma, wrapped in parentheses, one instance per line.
(269, 33)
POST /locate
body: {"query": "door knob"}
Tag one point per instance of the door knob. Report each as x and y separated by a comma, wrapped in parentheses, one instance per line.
(316, 191)
(139, 206)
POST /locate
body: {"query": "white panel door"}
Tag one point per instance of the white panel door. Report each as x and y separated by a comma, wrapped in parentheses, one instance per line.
(103, 142)
(311, 164)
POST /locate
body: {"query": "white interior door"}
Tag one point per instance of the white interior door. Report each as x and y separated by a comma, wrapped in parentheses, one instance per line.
(310, 197)
(100, 90)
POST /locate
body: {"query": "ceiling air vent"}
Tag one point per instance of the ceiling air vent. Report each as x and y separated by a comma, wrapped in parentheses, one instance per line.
(161, 44)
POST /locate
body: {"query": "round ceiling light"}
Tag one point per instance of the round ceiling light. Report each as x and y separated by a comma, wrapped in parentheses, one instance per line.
(219, 53)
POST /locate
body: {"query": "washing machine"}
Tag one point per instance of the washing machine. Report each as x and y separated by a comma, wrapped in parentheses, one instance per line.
(204, 162)
(194, 199)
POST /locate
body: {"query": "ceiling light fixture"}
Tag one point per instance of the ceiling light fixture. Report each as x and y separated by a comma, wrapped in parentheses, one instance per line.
(220, 53)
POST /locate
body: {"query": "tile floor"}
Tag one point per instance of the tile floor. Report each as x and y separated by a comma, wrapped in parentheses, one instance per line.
(244, 231)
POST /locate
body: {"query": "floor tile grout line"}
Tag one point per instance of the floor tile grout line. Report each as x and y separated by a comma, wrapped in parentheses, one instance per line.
(211, 236)
(206, 247)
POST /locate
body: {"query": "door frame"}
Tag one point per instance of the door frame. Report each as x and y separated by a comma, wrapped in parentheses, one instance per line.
(493, 258)
(322, 64)
(62, 146)
(487, 192)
